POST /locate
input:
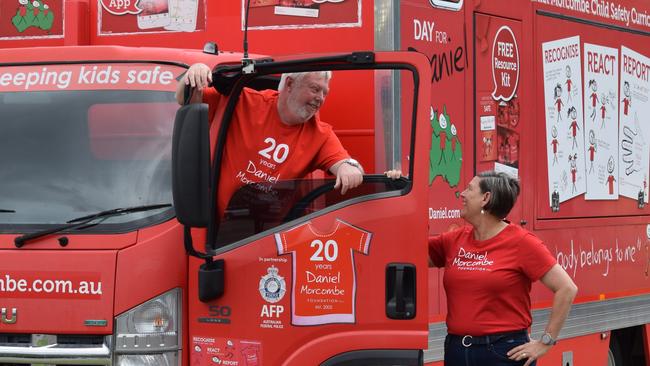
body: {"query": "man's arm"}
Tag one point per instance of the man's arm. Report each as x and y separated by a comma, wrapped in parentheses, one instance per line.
(198, 76)
(348, 176)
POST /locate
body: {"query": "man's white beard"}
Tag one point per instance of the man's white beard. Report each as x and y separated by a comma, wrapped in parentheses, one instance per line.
(299, 109)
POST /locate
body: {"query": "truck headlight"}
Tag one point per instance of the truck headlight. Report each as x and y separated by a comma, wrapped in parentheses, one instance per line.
(149, 334)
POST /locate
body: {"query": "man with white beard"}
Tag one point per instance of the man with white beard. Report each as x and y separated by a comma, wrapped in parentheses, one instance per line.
(275, 135)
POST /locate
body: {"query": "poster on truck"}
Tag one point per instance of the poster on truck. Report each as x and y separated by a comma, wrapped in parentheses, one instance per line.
(150, 16)
(23, 19)
(300, 14)
(634, 135)
(565, 153)
(601, 121)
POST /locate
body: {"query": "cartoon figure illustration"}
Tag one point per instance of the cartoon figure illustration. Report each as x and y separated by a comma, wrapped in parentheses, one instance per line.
(445, 159)
(573, 161)
(594, 97)
(503, 152)
(603, 109)
(554, 143)
(453, 141)
(627, 101)
(33, 14)
(573, 114)
(442, 121)
(592, 150)
(487, 146)
(610, 170)
(555, 201)
(557, 94)
(568, 82)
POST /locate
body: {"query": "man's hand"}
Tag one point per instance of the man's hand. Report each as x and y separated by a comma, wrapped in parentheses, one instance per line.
(198, 76)
(347, 176)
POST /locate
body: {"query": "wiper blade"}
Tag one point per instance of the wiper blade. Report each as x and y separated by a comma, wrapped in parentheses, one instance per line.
(7, 211)
(85, 220)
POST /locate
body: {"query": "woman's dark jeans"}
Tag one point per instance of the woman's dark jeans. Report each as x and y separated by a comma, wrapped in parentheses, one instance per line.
(493, 353)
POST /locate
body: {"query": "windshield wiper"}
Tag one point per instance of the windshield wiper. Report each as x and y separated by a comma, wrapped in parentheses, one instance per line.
(7, 211)
(85, 220)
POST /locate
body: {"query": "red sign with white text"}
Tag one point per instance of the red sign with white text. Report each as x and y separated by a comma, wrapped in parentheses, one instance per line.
(89, 77)
(50, 285)
(505, 64)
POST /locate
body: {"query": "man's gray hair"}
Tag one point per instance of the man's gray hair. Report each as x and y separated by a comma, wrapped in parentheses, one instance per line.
(297, 77)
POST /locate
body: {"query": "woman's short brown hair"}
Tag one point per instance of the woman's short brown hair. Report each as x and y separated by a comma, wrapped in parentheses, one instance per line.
(503, 189)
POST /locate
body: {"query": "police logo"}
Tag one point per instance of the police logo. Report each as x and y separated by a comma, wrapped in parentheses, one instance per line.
(272, 286)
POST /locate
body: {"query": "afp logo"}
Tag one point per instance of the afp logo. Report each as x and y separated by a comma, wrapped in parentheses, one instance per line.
(9, 316)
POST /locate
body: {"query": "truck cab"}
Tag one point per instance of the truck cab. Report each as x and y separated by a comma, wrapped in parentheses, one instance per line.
(106, 262)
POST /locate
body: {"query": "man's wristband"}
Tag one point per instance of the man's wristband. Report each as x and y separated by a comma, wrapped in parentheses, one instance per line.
(354, 163)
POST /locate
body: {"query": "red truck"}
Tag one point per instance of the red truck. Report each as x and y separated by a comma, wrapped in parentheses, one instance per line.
(97, 265)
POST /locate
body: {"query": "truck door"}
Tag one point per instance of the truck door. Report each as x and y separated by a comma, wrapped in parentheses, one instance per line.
(498, 92)
(311, 276)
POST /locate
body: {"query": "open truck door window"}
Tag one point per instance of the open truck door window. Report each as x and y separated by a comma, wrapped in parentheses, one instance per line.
(266, 199)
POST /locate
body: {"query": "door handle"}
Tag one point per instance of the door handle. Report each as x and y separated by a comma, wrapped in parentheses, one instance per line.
(400, 291)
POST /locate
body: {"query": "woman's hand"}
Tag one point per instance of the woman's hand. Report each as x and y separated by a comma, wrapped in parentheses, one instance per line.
(530, 352)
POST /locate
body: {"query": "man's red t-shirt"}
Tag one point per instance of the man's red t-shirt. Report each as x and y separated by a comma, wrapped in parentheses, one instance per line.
(488, 282)
(261, 150)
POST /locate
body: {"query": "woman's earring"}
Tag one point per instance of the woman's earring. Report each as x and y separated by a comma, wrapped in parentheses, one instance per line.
(482, 212)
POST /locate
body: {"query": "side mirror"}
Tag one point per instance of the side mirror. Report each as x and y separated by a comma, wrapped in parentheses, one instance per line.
(191, 165)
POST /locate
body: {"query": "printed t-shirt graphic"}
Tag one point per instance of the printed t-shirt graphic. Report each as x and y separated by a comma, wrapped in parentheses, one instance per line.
(324, 276)
(261, 150)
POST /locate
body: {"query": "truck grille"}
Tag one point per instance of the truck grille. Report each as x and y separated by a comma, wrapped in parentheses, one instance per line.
(60, 349)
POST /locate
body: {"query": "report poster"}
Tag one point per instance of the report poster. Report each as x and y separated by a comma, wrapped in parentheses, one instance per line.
(634, 131)
(564, 120)
(601, 121)
(299, 14)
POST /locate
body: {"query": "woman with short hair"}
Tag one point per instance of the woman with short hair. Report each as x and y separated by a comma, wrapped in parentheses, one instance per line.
(490, 266)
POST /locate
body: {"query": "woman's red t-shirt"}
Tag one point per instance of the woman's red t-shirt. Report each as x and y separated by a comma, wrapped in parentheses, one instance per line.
(488, 282)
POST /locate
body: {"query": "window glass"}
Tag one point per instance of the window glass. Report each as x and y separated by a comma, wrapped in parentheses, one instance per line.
(66, 154)
(371, 113)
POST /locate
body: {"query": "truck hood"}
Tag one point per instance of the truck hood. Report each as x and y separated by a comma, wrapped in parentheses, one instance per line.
(55, 292)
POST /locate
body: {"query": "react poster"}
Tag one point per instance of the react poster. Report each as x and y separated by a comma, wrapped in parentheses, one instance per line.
(297, 14)
(564, 120)
(601, 121)
(23, 19)
(634, 134)
(150, 16)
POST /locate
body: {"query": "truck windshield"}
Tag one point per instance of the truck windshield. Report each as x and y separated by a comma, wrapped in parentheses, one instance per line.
(72, 152)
